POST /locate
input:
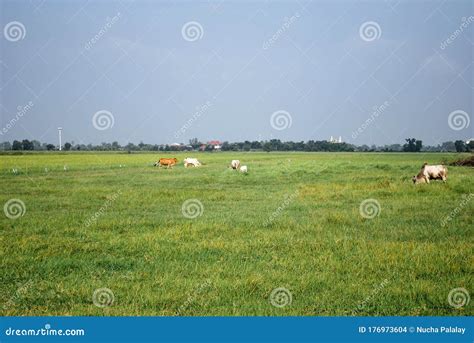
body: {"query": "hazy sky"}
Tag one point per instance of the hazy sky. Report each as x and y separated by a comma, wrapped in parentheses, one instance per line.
(168, 71)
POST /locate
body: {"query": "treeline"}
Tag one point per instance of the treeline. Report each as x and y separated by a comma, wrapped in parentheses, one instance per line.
(411, 145)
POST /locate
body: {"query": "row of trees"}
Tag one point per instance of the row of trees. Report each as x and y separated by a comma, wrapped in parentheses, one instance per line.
(411, 145)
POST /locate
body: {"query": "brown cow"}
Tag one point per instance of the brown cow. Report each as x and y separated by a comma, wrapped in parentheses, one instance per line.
(169, 162)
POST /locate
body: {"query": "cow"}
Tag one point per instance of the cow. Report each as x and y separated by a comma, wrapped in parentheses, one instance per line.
(235, 164)
(427, 173)
(169, 162)
(193, 162)
(243, 169)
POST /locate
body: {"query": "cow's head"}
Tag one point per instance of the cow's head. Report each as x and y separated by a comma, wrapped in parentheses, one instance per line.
(156, 163)
(418, 179)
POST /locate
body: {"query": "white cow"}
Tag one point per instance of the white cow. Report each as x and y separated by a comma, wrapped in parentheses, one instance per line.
(433, 172)
(235, 164)
(188, 161)
(243, 169)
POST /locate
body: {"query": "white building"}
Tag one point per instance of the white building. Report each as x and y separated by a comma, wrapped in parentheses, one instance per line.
(334, 140)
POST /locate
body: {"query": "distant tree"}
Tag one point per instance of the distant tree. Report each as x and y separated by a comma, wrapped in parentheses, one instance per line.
(50, 147)
(256, 145)
(267, 147)
(67, 146)
(460, 146)
(410, 145)
(470, 146)
(448, 146)
(225, 146)
(418, 145)
(17, 145)
(5, 146)
(27, 145)
(36, 145)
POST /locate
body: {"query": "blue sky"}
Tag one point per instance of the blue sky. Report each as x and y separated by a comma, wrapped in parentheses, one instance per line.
(322, 66)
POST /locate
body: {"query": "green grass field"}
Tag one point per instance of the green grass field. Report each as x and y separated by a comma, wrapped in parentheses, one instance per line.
(114, 221)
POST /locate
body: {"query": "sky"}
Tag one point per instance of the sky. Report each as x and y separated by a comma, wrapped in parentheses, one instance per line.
(372, 72)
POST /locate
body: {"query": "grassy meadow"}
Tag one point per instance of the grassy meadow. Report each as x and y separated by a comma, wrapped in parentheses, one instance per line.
(112, 220)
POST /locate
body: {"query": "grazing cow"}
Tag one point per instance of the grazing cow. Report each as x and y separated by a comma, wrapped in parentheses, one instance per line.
(169, 162)
(243, 169)
(193, 162)
(428, 173)
(235, 164)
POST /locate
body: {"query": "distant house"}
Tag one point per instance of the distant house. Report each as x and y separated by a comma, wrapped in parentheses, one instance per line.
(216, 144)
(334, 140)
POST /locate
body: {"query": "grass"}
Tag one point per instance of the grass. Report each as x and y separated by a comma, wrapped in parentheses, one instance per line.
(115, 221)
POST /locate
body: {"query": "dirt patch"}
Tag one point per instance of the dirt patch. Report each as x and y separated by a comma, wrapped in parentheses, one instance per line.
(464, 162)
